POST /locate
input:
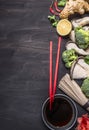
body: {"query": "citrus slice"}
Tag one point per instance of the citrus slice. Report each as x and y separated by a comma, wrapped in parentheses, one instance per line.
(64, 27)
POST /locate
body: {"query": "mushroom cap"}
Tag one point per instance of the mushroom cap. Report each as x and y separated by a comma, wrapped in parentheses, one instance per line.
(80, 22)
(72, 45)
(79, 69)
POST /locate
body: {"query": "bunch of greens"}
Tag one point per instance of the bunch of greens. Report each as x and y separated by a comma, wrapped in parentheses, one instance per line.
(62, 3)
(53, 20)
(68, 57)
(82, 37)
(85, 87)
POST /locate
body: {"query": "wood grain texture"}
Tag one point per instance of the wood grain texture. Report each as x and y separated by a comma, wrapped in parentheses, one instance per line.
(25, 33)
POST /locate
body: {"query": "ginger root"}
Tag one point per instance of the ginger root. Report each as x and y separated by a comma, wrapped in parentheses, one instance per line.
(74, 6)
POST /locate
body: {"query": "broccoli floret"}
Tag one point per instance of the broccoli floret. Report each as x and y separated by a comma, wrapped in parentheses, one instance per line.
(86, 59)
(85, 87)
(82, 37)
(62, 2)
(68, 64)
(68, 57)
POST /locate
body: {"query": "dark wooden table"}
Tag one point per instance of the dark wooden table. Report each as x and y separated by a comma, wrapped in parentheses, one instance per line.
(25, 33)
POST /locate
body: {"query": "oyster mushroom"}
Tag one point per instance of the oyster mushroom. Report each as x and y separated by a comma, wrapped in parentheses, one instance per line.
(80, 22)
(72, 35)
(86, 28)
(72, 45)
(79, 69)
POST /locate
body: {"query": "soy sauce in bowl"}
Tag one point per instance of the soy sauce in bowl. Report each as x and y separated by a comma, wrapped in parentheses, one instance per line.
(63, 114)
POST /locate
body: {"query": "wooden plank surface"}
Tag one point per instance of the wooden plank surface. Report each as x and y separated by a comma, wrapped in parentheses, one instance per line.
(25, 33)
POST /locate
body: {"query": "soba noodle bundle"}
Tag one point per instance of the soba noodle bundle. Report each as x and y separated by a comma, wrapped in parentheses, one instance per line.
(72, 89)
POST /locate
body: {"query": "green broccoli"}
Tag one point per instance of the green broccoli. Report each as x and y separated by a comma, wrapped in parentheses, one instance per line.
(86, 59)
(53, 20)
(62, 3)
(82, 37)
(68, 64)
(85, 87)
(68, 57)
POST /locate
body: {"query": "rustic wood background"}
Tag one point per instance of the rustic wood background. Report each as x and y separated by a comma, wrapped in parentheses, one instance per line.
(25, 33)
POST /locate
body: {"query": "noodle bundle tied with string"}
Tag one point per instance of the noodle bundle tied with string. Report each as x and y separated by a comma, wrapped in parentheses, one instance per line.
(72, 89)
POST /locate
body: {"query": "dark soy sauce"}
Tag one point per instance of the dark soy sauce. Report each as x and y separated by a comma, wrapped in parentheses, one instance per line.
(60, 114)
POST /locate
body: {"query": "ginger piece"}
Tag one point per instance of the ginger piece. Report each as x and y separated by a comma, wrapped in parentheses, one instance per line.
(74, 6)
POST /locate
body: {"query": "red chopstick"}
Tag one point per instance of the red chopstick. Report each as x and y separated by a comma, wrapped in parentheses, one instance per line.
(52, 92)
(56, 68)
(50, 75)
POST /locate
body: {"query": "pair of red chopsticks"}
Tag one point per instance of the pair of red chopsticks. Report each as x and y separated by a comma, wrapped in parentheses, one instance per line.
(52, 88)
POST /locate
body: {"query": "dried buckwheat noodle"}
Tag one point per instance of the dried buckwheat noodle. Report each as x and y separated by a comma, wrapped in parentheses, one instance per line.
(72, 89)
